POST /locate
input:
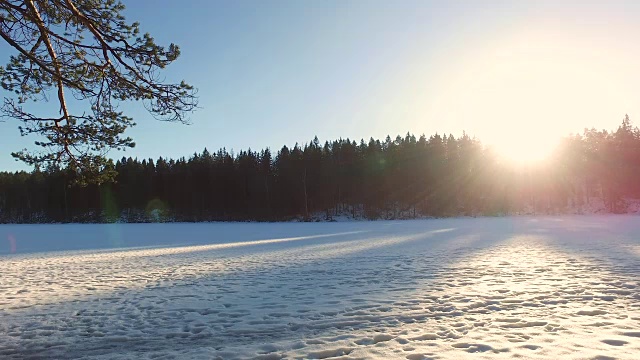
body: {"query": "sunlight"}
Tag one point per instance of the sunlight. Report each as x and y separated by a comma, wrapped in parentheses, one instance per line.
(526, 150)
(194, 265)
(526, 93)
(521, 93)
(119, 275)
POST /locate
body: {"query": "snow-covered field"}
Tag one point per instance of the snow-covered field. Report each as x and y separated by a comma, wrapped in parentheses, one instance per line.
(553, 288)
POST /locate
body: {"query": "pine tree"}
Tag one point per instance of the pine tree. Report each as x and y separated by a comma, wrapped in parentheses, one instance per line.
(83, 49)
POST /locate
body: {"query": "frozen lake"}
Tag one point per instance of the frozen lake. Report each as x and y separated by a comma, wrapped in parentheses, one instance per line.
(485, 288)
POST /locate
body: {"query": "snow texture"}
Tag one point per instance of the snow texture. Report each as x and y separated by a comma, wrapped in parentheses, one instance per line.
(486, 288)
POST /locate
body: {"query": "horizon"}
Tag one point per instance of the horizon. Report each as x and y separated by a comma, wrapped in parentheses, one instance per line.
(233, 152)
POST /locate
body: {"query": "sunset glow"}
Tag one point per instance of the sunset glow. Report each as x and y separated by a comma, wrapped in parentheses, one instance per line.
(522, 91)
(529, 150)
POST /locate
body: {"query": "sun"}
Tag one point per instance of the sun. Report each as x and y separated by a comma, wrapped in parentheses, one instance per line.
(522, 93)
(525, 149)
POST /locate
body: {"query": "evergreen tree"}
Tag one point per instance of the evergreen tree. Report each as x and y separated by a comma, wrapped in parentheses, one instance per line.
(83, 50)
(405, 177)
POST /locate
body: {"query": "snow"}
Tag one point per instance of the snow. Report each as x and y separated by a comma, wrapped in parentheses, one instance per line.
(484, 288)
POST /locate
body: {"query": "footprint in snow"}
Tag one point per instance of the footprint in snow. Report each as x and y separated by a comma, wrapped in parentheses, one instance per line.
(615, 342)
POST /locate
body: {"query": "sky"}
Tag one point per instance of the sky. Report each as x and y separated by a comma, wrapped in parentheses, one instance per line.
(516, 74)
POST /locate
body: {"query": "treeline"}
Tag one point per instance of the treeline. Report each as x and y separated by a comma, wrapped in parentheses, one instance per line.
(403, 177)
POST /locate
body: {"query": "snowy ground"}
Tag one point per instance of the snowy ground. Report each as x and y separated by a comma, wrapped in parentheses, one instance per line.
(553, 288)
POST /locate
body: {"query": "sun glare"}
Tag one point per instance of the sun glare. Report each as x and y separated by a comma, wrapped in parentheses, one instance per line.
(521, 93)
(527, 150)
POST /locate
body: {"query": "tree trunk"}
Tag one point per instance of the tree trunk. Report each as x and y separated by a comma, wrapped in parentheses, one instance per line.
(306, 200)
(66, 204)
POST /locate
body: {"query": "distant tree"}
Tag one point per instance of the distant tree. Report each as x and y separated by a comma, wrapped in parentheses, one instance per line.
(405, 177)
(85, 53)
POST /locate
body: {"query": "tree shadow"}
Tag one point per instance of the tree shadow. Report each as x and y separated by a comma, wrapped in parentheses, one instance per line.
(267, 291)
(303, 282)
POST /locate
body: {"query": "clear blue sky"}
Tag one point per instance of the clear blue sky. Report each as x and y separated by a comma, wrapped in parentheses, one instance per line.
(271, 73)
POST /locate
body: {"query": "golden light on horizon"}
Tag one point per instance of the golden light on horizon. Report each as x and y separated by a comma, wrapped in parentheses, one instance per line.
(521, 93)
(525, 149)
